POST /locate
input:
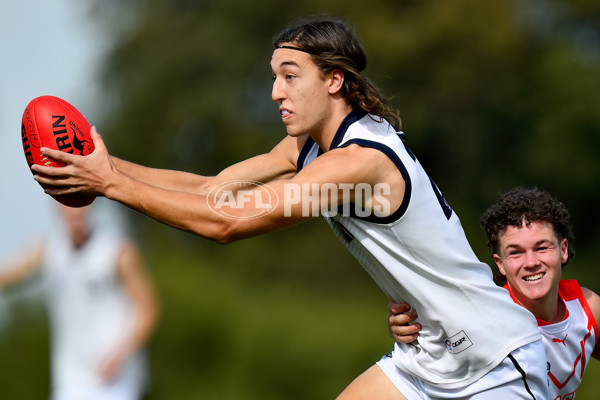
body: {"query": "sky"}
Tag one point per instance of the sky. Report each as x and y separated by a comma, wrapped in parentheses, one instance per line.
(47, 47)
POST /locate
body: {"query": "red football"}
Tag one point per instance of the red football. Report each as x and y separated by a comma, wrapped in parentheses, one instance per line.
(53, 123)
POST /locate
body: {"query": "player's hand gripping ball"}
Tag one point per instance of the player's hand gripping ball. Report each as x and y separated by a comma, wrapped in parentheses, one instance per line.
(53, 123)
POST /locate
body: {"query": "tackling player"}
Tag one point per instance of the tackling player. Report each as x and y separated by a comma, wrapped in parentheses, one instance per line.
(529, 233)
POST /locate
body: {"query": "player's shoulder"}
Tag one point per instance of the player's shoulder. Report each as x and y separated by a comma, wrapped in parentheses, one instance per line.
(590, 295)
(352, 157)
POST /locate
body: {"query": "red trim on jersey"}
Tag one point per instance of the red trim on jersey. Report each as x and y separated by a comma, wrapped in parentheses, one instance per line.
(561, 385)
(540, 322)
(570, 290)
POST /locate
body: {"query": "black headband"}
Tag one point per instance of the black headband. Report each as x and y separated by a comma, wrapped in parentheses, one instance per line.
(294, 48)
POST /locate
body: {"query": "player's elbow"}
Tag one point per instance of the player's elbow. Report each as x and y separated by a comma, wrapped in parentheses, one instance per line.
(224, 238)
(223, 232)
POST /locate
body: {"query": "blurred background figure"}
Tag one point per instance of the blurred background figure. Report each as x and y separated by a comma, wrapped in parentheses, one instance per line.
(101, 304)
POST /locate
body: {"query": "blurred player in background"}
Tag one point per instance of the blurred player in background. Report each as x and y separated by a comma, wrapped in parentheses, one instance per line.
(529, 233)
(101, 305)
(344, 156)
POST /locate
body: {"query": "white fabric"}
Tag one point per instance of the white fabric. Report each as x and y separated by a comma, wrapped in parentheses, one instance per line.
(569, 343)
(506, 381)
(422, 257)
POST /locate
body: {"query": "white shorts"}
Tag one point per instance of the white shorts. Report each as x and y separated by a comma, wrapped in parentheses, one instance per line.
(521, 375)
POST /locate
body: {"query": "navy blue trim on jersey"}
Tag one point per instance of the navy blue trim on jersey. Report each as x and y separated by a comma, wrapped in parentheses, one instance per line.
(304, 153)
(402, 137)
(348, 237)
(352, 117)
(408, 183)
(443, 203)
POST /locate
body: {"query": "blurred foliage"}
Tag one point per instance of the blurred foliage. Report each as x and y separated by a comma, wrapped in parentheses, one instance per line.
(492, 94)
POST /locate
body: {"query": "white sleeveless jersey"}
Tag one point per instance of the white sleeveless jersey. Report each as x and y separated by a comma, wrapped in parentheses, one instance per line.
(420, 255)
(89, 311)
(569, 343)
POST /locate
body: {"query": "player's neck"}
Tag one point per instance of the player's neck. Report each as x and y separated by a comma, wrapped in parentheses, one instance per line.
(324, 135)
(551, 311)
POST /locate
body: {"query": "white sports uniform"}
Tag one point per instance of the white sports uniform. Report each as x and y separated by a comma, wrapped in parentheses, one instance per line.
(419, 255)
(569, 343)
(89, 314)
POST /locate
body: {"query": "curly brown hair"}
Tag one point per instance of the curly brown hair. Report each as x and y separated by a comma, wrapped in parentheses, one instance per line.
(524, 205)
(333, 44)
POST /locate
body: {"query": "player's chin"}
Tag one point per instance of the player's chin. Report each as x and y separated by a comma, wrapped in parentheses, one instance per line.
(294, 131)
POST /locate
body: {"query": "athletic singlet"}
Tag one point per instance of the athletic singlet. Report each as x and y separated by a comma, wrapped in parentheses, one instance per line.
(569, 343)
(419, 255)
(89, 310)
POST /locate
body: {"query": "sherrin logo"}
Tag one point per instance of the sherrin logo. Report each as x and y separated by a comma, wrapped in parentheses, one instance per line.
(229, 197)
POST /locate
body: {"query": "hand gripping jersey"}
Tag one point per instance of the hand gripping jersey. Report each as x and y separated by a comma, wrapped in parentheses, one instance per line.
(89, 311)
(419, 254)
(568, 343)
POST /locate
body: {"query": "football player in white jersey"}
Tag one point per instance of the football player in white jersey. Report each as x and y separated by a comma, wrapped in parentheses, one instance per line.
(101, 304)
(343, 157)
(530, 236)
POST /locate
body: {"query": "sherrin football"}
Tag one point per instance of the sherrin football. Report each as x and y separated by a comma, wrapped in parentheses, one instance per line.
(51, 122)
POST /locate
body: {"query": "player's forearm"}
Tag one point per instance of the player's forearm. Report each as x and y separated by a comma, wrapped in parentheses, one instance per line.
(163, 178)
(224, 218)
(182, 210)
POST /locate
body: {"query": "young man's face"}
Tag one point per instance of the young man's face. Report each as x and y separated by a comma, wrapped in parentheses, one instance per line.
(531, 258)
(301, 92)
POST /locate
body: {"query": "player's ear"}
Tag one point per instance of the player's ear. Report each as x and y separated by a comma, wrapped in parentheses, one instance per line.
(335, 81)
(564, 251)
(498, 262)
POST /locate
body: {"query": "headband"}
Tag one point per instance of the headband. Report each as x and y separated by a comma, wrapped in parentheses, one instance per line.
(294, 48)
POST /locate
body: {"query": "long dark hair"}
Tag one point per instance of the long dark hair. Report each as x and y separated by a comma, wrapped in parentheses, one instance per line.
(333, 44)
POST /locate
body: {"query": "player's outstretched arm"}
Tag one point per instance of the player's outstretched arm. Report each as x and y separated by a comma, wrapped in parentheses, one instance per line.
(93, 173)
(236, 212)
(98, 174)
(163, 178)
(281, 162)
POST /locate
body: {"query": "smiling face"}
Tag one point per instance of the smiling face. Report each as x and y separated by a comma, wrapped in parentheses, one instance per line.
(531, 257)
(308, 99)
